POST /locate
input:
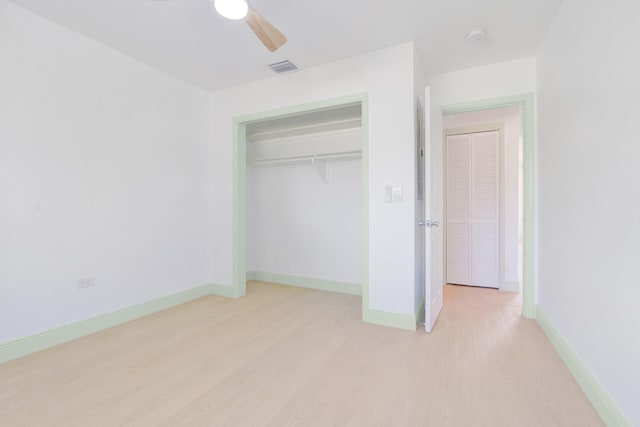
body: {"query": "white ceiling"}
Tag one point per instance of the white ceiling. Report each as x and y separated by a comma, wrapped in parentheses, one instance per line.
(187, 39)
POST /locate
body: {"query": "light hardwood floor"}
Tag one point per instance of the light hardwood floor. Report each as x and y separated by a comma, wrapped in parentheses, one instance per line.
(291, 356)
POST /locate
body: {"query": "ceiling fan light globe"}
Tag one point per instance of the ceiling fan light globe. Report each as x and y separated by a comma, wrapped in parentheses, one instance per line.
(231, 9)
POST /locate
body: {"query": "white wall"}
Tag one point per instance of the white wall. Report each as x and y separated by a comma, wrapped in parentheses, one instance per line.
(298, 225)
(491, 81)
(101, 175)
(589, 203)
(387, 76)
(511, 119)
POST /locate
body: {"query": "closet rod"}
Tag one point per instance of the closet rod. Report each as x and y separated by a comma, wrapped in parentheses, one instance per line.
(310, 157)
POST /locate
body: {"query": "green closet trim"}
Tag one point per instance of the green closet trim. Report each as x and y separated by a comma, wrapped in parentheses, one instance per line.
(604, 404)
(239, 186)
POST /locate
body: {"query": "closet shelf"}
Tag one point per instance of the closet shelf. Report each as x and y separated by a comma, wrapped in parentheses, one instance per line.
(309, 158)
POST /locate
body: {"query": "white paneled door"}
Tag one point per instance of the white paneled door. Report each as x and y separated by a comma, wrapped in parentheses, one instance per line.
(458, 209)
(472, 188)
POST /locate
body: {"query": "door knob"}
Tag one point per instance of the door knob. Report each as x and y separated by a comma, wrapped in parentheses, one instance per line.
(428, 223)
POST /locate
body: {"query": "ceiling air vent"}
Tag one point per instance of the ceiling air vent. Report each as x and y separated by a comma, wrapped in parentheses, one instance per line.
(283, 67)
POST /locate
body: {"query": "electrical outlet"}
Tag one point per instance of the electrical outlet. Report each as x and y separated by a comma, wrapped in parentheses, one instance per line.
(86, 282)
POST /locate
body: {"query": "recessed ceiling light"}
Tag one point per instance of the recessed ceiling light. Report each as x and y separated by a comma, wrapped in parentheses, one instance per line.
(477, 34)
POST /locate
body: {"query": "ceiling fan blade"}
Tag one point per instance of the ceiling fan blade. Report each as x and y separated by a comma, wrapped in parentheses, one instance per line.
(269, 35)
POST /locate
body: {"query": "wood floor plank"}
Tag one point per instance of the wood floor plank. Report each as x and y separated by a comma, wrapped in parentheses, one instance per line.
(292, 356)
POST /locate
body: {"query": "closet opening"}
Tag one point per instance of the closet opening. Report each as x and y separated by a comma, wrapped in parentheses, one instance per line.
(301, 205)
(483, 184)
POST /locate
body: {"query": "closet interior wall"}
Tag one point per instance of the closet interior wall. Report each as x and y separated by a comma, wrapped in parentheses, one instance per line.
(304, 197)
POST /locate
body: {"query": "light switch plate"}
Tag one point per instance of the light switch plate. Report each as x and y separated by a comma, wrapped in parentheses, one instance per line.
(396, 194)
(388, 193)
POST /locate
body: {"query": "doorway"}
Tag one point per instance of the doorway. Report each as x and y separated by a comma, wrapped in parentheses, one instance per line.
(483, 198)
(526, 102)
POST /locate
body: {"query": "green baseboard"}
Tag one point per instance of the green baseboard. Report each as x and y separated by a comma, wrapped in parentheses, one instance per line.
(606, 407)
(509, 286)
(33, 343)
(420, 315)
(223, 291)
(306, 282)
(393, 320)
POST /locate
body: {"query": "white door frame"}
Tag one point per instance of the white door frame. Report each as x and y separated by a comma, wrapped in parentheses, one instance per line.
(526, 101)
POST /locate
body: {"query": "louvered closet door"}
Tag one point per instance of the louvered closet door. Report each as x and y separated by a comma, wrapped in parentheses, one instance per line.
(472, 209)
(458, 209)
(484, 209)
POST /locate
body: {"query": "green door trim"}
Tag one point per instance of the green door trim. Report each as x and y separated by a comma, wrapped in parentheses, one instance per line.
(239, 187)
(526, 101)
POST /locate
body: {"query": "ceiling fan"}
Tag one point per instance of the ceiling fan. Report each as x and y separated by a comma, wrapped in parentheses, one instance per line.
(269, 35)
